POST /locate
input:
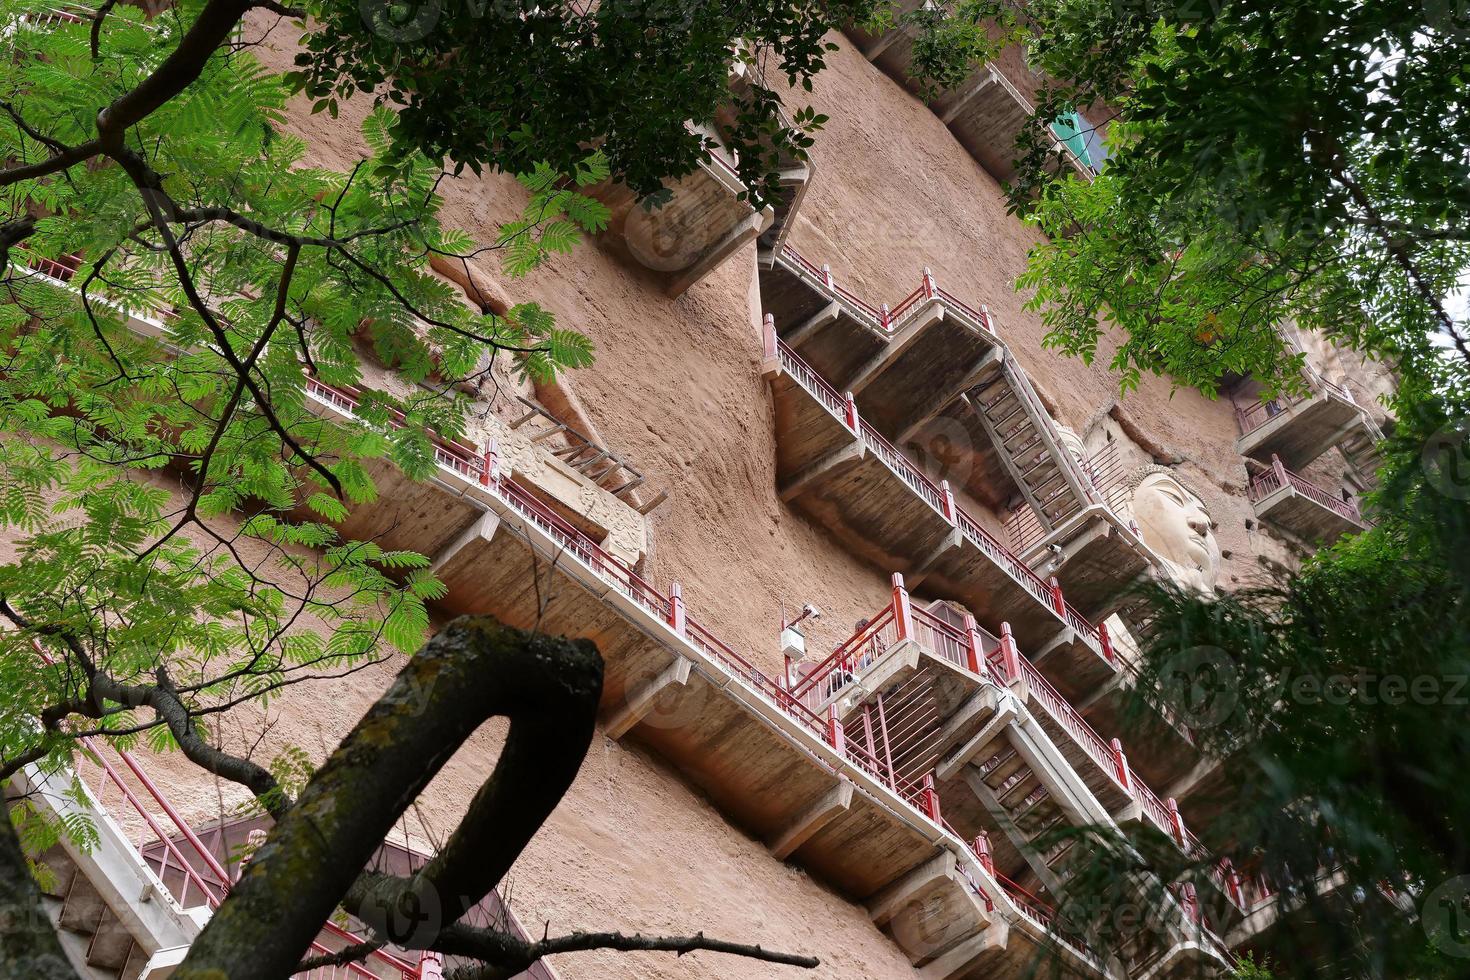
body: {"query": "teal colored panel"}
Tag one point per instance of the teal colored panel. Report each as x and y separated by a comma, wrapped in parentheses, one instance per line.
(1069, 129)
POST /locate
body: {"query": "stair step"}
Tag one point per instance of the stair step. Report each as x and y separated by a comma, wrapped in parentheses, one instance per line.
(1060, 852)
(999, 766)
(1037, 818)
(999, 396)
(1041, 461)
(1061, 514)
(1034, 444)
(1011, 440)
(62, 868)
(1016, 786)
(1008, 416)
(1049, 486)
(133, 968)
(83, 907)
(111, 943)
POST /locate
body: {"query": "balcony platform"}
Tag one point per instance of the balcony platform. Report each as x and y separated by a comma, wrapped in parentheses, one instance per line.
(1297, 430)
(703, 224)
(1187, 959)
(776, 769)
(1096, 556)
(1272, 913)
(985, 111)
(898, 363)
(1302, 508)
(854, 483)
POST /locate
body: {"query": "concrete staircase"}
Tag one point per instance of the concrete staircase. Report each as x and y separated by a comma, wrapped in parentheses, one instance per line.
(1026, 811)
(94, 938)
(115, 918)
(1016, 423)
(1360, 448)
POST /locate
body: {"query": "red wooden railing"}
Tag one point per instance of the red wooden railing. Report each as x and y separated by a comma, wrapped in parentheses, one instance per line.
(938, 497)
(63, 268)
(1253, 416)
(906, 471)
(882, 317)
(185, 864)
(1279, 476)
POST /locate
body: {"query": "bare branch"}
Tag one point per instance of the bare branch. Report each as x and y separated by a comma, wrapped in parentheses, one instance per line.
(529, 952)
(347, 954)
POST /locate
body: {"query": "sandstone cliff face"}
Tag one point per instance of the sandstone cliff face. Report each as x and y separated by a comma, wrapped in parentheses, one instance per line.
(676, 388)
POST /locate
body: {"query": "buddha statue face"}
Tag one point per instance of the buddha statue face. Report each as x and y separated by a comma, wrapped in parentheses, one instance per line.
(1072, 443)
(1174, 523)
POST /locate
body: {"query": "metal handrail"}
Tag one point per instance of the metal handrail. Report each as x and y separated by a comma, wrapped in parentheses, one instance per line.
(1271, 480)
(203, 871)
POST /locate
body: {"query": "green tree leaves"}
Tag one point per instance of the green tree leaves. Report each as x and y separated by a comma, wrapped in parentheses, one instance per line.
(172, 487)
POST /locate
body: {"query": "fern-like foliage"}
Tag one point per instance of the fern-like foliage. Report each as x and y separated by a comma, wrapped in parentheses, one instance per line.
(171, 511)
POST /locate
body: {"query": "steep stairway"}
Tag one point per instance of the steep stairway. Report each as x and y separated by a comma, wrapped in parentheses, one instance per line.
(1360, 448)
(1052, 482)
(96, 941)
(1026, 811)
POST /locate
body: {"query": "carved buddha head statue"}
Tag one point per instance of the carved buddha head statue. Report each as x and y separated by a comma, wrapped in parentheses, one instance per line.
(1071, 442)
(1173, 522)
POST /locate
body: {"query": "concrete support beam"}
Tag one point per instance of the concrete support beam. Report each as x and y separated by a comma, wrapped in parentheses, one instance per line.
(826, 315)
(1051, 767)
(1002, 818)
(1185, 785)
(920, 571)
(1342, 433)
(946, 397)
(926, 315)
(1064, 638)
(892, 899)
(982, 703)
(986, 78)
(875, 49)
(964, 959)
(482, 528)
(637, 702)
(746, 231)
(813, 819)
(1067, 540)
(163, 963)
(1119, 685)
(838, 459)
(950, 765)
